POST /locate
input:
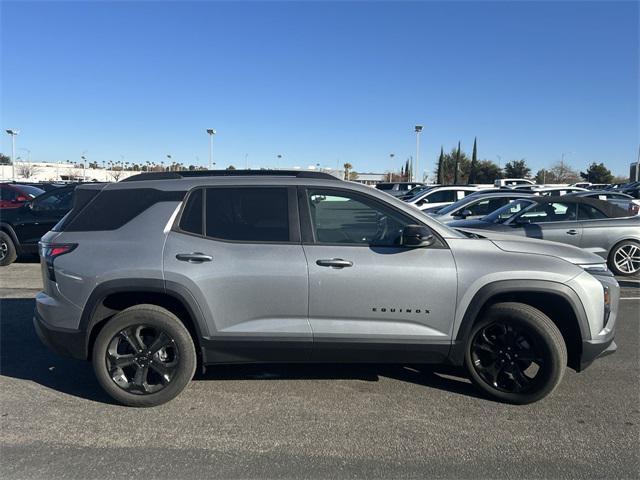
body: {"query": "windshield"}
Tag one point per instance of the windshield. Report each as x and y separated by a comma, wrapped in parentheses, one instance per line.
(455, 206)
(509, 210)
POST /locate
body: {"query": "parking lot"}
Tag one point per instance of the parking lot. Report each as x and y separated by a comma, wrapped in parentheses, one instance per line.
(309, 421)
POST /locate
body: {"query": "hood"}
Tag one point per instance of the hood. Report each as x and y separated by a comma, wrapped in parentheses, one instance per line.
(513, 244)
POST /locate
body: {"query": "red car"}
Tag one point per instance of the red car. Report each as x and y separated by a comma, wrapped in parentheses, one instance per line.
(14, 195)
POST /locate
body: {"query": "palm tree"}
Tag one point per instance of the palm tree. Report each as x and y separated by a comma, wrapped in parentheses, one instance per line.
(347, 166)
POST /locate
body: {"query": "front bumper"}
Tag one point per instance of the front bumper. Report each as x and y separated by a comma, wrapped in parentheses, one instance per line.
(592, 350)
(70, 343)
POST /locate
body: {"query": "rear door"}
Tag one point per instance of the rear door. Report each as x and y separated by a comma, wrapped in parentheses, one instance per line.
(238, 251)
(370, 297)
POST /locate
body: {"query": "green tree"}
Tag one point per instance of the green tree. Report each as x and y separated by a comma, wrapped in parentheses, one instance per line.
(347, 166)
(231, 167)
(448, 167)
(439, 171)
(517, 169)
(4, 159)
(474, 162)
(353, 175)
(597, 173)
(487, 172)
(456, 167)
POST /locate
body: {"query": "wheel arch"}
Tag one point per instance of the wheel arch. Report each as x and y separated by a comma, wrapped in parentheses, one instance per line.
(114, 296)
(8, 229)
(556, 300)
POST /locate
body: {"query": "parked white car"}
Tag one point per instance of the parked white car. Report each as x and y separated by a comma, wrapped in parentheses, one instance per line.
(512, 182)
(440, 197)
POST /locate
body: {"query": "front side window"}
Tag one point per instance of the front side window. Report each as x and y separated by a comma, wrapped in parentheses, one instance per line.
(503, 214)
(441, 196)
(485, 207)
(342, 217)
(259, 214)
(551, 212)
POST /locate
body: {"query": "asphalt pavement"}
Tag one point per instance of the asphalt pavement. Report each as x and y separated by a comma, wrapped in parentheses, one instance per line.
(314, 421)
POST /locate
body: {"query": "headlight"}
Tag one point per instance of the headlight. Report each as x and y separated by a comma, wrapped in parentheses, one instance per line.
(597, 269)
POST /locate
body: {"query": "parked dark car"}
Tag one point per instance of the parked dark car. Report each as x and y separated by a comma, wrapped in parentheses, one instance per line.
(14, 195)
(594, 225)
(397, 189)
(21, 228)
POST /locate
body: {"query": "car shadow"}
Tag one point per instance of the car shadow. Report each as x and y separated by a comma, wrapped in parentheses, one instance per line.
(23, 356)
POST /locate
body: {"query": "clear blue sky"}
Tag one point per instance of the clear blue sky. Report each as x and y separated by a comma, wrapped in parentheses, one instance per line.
(322, 82)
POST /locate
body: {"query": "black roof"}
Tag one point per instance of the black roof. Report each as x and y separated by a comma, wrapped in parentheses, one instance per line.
(227, 173)
(608, 208)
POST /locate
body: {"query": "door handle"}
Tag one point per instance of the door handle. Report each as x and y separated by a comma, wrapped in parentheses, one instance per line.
(572, 232)
(334, 263)
(195, 257)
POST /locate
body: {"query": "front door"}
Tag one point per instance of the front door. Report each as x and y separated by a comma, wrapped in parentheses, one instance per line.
(554, 221)
(243, 262)
(370, 298)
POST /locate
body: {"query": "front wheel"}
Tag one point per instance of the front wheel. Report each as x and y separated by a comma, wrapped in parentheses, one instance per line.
(144, 356)
(624, 258)
(8, 252)
(516, 353)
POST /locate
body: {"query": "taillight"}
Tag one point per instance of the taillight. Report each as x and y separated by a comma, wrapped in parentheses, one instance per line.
(50, 251)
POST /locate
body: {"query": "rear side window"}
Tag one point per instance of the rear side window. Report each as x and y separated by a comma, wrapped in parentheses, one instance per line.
(442, 196)
(191, 220)
(587, 212)
(247, 214)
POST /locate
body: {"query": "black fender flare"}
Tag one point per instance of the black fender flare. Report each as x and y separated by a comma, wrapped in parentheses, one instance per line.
(150, 285)
(500, 287)
(8, 229)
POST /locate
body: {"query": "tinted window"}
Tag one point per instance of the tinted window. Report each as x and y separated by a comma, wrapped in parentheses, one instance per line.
(506, 212)
(384, 186)
(32, 192)
(341, 217)
(551, 212)
(55, 201)
(485, 207)
(191, 220)
(247, 214)
(7, 194)
(441, 196)
(587, 212)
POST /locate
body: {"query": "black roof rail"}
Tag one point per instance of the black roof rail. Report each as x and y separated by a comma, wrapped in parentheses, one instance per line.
(228, 173)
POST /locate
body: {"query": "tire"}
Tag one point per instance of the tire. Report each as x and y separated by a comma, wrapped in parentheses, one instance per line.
(624, 258)
(8, 253)
(144, 356)
(516, 354)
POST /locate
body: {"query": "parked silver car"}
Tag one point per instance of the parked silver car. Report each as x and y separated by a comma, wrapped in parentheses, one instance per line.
(591, 224)
(476, 206)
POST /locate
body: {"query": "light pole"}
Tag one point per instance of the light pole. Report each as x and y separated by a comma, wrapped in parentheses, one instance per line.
(391, 155)
(13, 132)
(169, 157)
(279, 157)
(416, 168)
(638, 165)
(211, 133)
(84, 166)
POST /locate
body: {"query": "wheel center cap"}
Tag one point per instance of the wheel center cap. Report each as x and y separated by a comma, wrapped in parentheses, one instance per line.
(142, 360)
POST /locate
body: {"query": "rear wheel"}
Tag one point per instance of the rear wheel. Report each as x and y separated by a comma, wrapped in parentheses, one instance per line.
(144, 356)
(516, 353)
(624, 258)
(8, 252)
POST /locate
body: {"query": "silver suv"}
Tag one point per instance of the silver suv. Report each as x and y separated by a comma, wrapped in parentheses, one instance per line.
(154, 275)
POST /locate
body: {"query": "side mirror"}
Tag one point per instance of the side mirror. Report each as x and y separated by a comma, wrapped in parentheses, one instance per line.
(417, 236)
(465, 213)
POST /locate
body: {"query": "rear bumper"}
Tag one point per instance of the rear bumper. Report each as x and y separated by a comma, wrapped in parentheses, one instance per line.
(70, 343)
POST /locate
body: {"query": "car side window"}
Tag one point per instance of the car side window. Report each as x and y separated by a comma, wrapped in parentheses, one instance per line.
(8, 194)
(551, 212)
(587, 212)
(259, 214)
(342, 217)
(191, 219)
(54, 201)
(485, 207)
(441, 196)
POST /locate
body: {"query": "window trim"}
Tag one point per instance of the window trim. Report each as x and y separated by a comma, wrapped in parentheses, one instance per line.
(292, 202)
(308, 232)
